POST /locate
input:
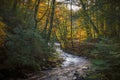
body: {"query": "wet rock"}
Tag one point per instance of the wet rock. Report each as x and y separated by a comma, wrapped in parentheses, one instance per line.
(62, 78)
(76, 75)
(80, 78)
(85, 68)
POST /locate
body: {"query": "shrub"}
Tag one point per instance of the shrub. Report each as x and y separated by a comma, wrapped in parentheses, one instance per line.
(27, 48)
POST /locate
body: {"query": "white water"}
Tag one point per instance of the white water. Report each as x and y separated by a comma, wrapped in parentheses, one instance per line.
(69, 59)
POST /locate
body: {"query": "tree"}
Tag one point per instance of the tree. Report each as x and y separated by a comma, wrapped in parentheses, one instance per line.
(51, 20)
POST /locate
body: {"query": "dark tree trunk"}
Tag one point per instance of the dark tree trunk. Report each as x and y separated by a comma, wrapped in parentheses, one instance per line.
(36, 11)
(71, 26)
(51, 20)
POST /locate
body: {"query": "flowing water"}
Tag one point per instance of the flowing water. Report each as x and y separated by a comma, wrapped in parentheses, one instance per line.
(69, 67)
(69, 59)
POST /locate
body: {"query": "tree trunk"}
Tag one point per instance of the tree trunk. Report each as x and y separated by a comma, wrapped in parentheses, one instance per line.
(35, 13)
(51, 20)
(71, 26)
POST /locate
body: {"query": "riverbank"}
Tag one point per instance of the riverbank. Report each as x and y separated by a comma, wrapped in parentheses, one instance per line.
(104, 57)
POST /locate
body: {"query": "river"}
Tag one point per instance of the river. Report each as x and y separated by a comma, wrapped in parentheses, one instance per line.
(71, 65)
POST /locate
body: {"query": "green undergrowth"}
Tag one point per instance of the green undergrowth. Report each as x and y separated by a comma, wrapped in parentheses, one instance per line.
(105, 60)
(104, 55)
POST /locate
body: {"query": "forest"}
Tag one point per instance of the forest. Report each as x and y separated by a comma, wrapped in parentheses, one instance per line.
(59, 39)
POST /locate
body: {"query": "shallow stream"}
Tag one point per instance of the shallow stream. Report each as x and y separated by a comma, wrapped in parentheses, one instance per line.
(71, 65)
